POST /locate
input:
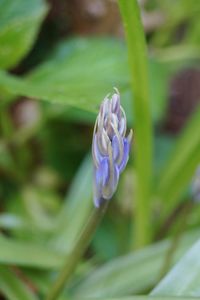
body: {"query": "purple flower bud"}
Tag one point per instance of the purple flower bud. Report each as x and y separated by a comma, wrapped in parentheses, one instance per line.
(110, 148)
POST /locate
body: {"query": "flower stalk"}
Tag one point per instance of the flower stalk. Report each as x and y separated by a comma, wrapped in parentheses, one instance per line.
(80, 246)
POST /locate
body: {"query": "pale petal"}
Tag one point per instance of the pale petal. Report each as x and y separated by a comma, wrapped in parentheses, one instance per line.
(125, 155)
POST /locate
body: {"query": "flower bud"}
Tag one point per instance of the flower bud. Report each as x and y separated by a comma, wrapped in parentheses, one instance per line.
(110, 148)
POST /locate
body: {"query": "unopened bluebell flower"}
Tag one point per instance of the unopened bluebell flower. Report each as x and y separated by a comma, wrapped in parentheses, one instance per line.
(110, 148)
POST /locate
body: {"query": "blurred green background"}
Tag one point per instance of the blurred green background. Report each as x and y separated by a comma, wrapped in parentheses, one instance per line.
(58, 60)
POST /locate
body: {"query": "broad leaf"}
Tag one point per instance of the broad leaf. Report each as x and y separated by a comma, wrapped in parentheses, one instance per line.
(80, 72)
(19, 24)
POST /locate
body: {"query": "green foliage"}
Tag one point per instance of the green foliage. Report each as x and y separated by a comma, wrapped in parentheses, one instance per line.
(61, 80)
(12, 287)
(144, 130)
(28, 254)
(20, 21)
(181, 166)
(119, 277)
(182, 280)
(46, 122)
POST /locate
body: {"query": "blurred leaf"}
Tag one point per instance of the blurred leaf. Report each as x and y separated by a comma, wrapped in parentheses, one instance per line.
(76, 209)
(132, 273)
(28, 254)
(55, 139)
(139, 298)
(20, 21)
(184, 278)
(41, 279)
(181, 166)
(181, 18)
(12, 287)
(80, 72)
(35, 209)
(11, 221)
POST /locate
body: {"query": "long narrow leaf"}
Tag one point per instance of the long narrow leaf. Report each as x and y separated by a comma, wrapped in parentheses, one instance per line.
(14, 252)
(76, 209)
(139, 298)
(132, 273)
(181, 166)
(12, 287)
(184, 278)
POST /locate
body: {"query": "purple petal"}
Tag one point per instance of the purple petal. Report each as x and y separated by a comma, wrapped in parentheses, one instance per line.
(125, 155)
(122, 127)
(116, 178)
(115, 147)
(109, 189)
(97, 195)
(101, 179)
(102, 173)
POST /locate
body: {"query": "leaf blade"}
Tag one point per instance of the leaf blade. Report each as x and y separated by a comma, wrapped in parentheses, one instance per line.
(184, 278)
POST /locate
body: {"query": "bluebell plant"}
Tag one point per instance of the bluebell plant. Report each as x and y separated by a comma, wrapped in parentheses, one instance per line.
(110, 147)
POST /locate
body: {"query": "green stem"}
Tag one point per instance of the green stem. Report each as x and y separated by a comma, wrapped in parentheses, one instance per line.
(137, 54)
(78, 250)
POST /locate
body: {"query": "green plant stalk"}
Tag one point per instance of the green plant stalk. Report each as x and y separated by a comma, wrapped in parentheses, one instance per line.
(137, 54)
(78, 250)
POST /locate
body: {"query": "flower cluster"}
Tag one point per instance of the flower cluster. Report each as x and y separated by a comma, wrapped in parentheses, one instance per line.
(110, 148)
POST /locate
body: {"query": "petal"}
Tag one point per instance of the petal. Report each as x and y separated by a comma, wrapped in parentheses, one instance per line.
(118, 145)
(115, 103)
(101, 179)
(122, 127)
(97, 192)
(105, 140)
(115, 148)
(97, 195)
(109, 189)
(95, 151)
(102, 173)
(125, 155)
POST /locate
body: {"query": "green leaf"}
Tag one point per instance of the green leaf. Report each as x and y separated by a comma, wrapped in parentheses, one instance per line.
(11, 221)
(139, 298)
(180, 167)
(184, 278)
(132, 273)
(76, 209)
(80, 72)
(12, 287)
(143, 152)
(14, 252)
(20, 21)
